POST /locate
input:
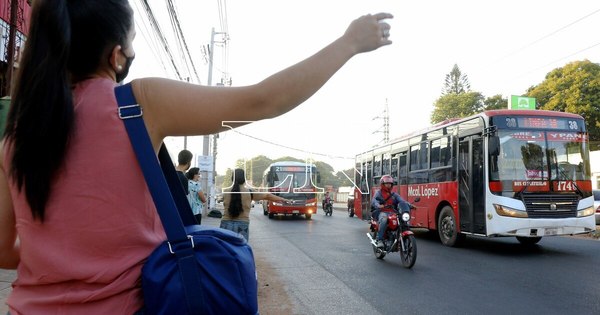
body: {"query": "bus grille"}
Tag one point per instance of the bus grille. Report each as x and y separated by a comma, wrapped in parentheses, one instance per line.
(551, 206)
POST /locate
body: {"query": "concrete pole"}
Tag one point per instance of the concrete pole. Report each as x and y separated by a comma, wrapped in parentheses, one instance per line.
(208, 188)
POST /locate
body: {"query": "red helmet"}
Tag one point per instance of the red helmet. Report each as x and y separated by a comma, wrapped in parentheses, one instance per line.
(386, 179)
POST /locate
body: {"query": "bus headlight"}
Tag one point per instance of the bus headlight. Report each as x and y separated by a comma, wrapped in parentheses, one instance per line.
(275, 203)
(585, 212)
(509, 212)
(312, 204)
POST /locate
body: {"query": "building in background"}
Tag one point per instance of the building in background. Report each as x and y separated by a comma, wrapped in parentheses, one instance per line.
(14, 27)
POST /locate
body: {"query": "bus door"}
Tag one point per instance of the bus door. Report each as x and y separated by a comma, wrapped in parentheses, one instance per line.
(471, 193)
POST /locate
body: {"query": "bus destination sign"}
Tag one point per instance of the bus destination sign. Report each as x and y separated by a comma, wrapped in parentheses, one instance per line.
(542, 123)
(291, 169)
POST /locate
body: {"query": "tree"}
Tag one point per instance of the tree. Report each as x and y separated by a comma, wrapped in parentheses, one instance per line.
(456, 82)
(256, 166)
(343, 180)
(495, 102)
(456, 106)
(574, 88)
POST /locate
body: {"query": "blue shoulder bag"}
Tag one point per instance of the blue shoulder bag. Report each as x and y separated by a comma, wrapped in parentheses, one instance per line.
(198, 269)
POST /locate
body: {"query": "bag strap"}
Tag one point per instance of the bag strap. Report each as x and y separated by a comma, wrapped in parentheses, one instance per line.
(160, 180)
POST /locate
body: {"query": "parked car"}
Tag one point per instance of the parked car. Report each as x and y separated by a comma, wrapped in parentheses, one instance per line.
(596, 193)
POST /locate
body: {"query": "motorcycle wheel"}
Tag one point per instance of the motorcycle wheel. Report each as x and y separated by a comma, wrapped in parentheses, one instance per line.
(409, 254)
(379, 254)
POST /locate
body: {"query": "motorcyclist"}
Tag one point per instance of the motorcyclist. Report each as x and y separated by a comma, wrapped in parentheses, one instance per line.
(382, 198)
(326, 200)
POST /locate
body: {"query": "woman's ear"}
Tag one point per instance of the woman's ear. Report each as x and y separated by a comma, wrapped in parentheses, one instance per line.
(114, 59)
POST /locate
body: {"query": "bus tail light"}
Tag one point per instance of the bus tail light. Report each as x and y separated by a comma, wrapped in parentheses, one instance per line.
(496, 186)
(509, 212)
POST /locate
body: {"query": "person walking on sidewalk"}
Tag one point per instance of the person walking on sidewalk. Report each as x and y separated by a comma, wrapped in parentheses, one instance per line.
(79, 235)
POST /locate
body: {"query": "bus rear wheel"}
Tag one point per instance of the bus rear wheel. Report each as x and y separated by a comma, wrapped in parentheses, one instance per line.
(308, 215)
(447, 230)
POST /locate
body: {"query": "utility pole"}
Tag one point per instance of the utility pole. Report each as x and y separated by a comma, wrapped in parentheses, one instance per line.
(210, 183)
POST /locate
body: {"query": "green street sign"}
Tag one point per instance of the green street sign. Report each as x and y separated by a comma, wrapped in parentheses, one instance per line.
(521, 102)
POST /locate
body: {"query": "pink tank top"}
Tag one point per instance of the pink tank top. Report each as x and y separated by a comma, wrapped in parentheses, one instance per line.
(100, 221)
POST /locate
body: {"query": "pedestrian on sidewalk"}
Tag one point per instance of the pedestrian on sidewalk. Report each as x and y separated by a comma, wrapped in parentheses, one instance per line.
(196, 196)
(184, 161)
(79, 223)
(237, 202)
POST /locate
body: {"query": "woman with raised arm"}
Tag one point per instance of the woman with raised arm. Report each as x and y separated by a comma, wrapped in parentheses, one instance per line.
(76, 218)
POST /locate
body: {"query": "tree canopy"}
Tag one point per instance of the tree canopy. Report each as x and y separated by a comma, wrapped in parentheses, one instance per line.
(574, 88)
(456, 106)
(456, 82)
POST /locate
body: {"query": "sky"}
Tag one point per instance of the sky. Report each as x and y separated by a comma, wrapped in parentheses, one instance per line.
(504, 47)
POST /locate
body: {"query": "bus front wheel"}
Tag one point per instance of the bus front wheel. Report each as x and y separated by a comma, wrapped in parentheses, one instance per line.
(447, 230)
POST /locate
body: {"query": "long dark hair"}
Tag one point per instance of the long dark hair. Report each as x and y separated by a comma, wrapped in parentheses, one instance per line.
(68, 41)
(235, 203)
(192, 172)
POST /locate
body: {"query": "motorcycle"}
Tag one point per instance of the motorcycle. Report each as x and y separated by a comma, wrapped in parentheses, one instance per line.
(328, 207)
(351, 207)
(397, 237)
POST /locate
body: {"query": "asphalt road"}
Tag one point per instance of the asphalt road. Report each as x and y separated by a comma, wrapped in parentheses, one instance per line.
(329, 268)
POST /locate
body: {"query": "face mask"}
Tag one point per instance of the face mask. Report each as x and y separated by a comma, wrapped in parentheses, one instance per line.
(121, 76)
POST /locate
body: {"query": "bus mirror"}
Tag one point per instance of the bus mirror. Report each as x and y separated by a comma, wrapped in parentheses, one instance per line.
(494, 145)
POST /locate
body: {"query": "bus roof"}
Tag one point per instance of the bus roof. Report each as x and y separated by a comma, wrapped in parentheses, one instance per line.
(530, 112)
(290, 163)
(489, 113)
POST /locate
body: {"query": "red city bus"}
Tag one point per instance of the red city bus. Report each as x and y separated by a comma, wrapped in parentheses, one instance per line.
(521, 173)
(295, 181)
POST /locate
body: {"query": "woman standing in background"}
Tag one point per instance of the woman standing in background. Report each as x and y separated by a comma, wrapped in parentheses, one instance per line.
(237, 201)
(195, 195)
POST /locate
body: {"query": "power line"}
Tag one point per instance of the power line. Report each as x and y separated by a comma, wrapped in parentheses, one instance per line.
(179, 35)
(557, 60)
(291, 148)
(159, 34)
(148, 38)
(547, 35)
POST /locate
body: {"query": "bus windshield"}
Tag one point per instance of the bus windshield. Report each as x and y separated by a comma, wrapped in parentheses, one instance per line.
(289, 183)
(533, 155)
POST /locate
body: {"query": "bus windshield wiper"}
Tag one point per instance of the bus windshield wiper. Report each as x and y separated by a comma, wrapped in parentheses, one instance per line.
(520, 192)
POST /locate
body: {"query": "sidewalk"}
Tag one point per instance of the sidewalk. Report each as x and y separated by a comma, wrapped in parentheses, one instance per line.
(6, 278)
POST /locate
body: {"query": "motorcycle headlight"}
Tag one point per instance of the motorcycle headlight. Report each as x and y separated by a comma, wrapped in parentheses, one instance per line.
(405, 216)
